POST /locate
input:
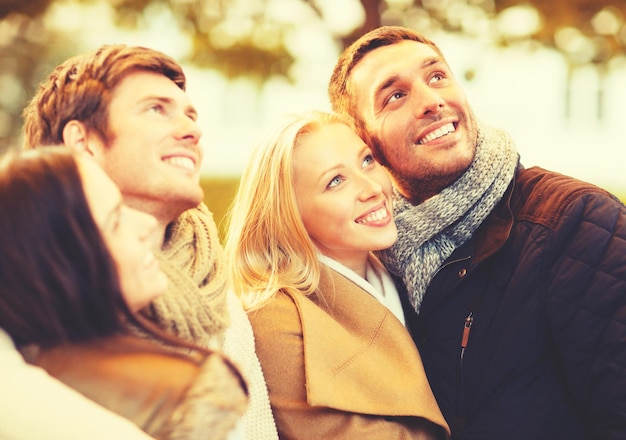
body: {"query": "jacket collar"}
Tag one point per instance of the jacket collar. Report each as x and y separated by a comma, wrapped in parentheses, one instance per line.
(496, 228)
(358, 357)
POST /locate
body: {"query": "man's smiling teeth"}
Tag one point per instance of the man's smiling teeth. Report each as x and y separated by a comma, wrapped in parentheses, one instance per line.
(441, 131)
(182, 162)
(375, 216)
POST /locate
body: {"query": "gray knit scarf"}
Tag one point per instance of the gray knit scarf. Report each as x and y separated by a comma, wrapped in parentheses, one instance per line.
(428, 233)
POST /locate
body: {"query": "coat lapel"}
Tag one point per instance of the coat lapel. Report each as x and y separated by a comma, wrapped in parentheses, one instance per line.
(358, 357)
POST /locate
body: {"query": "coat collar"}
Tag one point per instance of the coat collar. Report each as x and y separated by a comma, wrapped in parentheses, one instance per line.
(495, 231)
(358, 357)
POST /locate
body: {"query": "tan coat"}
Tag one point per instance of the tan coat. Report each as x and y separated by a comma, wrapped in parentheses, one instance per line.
(167, 394)
(340, 365)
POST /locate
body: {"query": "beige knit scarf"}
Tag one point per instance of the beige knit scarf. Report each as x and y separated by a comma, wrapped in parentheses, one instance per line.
(194, 306)
(428, 233)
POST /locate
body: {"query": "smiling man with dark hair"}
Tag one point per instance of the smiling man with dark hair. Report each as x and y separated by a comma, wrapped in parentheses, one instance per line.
(515, 278)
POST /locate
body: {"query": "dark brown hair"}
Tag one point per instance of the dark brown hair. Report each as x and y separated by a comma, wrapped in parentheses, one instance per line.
(58, 282)
(80, 89)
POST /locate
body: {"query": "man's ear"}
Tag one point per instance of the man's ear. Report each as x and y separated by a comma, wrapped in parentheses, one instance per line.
(75, 137)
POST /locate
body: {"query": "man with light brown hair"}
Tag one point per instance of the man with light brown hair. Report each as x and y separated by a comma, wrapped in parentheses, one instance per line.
(127, 108)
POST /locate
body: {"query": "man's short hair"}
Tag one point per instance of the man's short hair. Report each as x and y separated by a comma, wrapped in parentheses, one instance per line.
(80, 89)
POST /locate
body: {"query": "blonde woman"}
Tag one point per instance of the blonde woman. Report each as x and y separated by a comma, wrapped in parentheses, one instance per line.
(312, 205)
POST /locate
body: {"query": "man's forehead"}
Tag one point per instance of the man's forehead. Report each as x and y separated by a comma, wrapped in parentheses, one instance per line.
(380, 66)
(142, 84)
(399, 54)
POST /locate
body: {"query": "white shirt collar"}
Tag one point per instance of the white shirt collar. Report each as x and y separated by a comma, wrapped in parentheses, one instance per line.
(377, 282)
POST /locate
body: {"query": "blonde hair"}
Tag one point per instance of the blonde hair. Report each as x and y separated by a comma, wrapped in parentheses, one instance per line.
(267, 247)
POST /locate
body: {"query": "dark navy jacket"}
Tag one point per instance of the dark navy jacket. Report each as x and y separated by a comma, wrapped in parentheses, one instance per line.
(541, 287)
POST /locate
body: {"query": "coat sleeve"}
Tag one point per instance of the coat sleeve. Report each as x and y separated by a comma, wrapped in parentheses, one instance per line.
(212, 405)
(586, 309)
(278, 335)
(34, 405)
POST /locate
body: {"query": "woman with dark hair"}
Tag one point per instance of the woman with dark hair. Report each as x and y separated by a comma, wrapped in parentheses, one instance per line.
(76, 265)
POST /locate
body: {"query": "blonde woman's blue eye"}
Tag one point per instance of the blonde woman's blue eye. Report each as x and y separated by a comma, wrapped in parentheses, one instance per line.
(335, 181)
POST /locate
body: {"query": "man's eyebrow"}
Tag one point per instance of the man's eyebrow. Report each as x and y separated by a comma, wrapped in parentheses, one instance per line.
(190, 110)
(389, 82)
(385, 85)
(430, 61)
(163, 99)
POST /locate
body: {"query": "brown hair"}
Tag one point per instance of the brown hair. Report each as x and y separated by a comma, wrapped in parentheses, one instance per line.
(80, 89)
(59, 282)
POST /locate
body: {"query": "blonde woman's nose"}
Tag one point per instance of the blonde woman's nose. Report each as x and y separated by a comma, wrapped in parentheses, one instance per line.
(370, 187)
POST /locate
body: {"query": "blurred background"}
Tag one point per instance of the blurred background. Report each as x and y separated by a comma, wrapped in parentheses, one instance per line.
(552, 73)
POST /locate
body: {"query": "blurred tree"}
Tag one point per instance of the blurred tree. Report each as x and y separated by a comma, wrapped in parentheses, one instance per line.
(249, 39)
(31, 8)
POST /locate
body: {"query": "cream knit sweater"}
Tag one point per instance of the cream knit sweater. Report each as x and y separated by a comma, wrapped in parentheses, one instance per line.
(198, 307)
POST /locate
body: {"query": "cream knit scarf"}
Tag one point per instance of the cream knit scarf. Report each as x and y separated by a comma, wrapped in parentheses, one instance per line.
(428, 233)
(194, 306)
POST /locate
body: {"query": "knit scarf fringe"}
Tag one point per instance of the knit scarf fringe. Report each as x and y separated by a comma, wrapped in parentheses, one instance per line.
(428, 233)
(194, 306)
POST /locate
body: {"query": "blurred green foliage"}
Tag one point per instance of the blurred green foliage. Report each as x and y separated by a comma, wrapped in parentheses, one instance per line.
(249, 39)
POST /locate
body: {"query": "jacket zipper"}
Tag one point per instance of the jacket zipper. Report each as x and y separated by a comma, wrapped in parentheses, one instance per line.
(466, 332)
(467, 327)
